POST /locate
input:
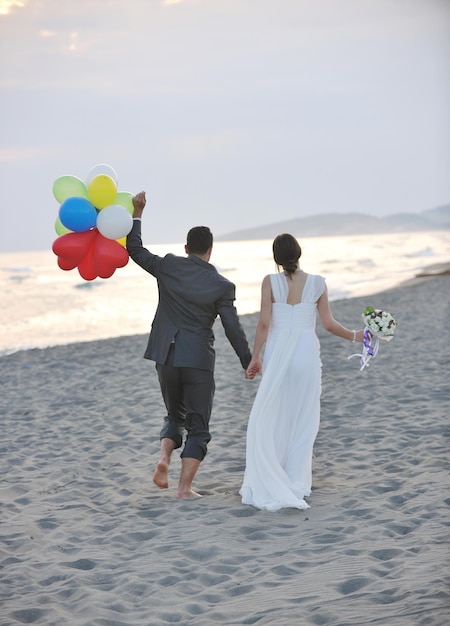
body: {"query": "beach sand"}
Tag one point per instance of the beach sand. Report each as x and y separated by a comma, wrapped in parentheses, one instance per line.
(87, 539)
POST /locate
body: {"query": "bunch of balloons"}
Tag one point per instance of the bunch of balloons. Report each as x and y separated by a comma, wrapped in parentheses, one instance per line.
(93, 222)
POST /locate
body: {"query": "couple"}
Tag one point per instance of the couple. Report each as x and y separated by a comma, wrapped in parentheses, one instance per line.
(284, 420)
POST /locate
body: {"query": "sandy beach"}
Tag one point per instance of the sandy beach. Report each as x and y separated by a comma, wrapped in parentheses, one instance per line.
(87, 539)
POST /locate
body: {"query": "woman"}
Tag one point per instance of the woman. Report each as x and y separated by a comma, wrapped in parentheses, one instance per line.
(284, 420)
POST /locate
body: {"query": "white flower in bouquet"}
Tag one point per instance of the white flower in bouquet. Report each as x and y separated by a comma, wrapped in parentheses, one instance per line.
(380, 323)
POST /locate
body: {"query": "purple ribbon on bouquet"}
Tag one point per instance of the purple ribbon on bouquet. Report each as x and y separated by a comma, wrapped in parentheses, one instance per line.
(370, 349)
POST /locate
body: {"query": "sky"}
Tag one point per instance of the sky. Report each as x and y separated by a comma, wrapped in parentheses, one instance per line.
(229, 113)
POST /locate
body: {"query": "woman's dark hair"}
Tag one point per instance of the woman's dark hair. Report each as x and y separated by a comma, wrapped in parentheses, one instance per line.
(199, 240)
(286, 252)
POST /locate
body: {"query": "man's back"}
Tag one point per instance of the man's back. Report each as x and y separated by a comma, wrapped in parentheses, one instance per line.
(191, 295)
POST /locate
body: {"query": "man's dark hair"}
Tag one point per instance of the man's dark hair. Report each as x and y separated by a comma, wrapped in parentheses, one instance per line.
(199, 240)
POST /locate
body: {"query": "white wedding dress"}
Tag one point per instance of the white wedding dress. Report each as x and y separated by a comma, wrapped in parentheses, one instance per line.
(284, 420)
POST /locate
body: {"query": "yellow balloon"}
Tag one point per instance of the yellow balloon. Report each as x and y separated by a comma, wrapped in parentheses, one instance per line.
(122, 241)
(102, 191)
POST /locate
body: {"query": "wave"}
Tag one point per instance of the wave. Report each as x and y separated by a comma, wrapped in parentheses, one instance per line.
(425, 252)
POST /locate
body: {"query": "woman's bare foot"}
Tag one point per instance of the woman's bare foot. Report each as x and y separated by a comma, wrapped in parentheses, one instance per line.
(188, 495)
(161, 475)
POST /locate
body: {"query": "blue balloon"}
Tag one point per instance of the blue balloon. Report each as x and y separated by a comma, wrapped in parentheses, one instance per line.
(78, 214)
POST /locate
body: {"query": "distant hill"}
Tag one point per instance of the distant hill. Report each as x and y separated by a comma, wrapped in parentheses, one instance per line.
(333, 224)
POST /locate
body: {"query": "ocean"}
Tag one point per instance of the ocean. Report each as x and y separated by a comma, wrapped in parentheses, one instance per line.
(44, 306)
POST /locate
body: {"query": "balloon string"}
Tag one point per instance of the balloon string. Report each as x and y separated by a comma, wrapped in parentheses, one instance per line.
(370, 349)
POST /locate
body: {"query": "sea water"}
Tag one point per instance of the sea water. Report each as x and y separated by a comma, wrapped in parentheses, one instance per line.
(42, 306)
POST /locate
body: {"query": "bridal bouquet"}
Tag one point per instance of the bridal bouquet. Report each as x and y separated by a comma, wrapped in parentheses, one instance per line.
(379, 325)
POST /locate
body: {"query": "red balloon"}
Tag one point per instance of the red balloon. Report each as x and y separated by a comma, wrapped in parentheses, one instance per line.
(107, 256)
(86, 268)
(73, 247)
(93, 254)
(66, 265)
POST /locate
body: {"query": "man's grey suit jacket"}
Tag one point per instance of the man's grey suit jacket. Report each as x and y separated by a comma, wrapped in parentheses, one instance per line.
(191, 295)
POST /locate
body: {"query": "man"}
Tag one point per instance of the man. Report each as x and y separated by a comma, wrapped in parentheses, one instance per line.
(191, 295)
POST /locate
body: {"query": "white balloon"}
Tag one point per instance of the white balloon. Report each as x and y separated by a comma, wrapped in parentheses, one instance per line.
(114, 222)
(102, 168)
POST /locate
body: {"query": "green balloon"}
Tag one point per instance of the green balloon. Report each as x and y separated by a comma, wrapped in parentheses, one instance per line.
(60, 228)
(125, 198)
(68, 186)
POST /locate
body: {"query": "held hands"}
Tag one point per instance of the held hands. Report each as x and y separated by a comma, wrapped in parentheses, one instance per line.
(139, 202)
(254, 368)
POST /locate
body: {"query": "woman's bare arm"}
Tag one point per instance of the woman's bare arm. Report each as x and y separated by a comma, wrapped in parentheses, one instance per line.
(332, 325)
(262, 329)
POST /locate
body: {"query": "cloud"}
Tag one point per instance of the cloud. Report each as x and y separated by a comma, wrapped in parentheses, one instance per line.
(7, 5)
(13, 155)
(73, 41)
(47, 34)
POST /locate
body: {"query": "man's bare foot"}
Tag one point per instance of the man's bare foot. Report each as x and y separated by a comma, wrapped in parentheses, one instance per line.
(188, 495)
(161, 475)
